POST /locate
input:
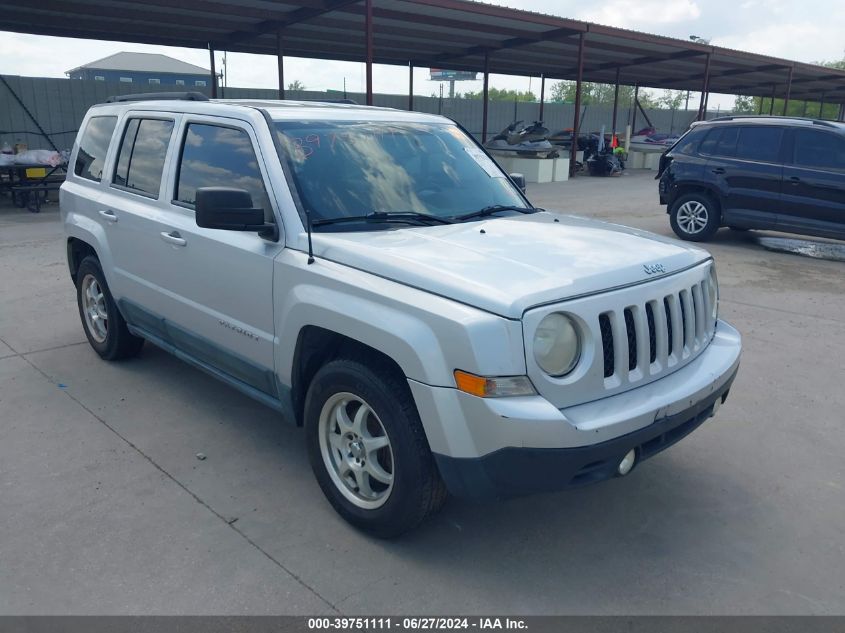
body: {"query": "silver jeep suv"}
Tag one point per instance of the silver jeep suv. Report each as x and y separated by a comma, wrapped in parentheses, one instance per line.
(373, 275)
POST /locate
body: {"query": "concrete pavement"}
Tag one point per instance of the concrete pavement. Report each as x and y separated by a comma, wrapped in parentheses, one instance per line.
(104, 507)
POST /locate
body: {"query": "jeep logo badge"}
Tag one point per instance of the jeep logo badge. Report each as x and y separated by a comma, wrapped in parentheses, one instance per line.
(651, 269)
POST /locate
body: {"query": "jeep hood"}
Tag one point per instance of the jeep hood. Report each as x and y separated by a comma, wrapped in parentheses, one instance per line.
(510, 264)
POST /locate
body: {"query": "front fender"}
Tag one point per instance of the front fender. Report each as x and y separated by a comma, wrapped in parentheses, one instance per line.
(426, 335)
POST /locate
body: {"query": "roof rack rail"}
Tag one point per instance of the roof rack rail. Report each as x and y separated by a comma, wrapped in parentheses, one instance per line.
(733, 117)
(332, 101)
(159, 96)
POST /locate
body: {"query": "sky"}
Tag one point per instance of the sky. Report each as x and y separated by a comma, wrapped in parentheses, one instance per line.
(782, 28)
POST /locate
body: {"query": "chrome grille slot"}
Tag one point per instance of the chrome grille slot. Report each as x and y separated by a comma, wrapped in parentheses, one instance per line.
(607, 344)
(688, 316)
(652, 333)
(631, 331)
(698, 305)
(669, 332)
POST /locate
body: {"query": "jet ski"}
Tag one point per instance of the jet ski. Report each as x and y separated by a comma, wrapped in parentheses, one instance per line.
(563, 139)
(649, 141)
(529, 141)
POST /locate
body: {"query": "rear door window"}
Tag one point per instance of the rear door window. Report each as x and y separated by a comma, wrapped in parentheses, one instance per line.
(140, 162)
(217, 156)
(819, 150)
(759, 143)
(91, 157)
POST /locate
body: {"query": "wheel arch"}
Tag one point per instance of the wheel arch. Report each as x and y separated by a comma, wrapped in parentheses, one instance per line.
(77, 250)
(684, 188)
(316, 346)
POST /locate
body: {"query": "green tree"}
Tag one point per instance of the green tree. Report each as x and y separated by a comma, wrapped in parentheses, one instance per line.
(296, 85)
(746, 105)
(672, 99)
(753, 105)
(495, 94)
(599, 94)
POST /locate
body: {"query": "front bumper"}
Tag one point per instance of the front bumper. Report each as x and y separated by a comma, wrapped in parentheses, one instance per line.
(511, 472)
(491, 448)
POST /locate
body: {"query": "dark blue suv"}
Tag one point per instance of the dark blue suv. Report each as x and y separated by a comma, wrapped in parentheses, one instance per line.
(748, 172)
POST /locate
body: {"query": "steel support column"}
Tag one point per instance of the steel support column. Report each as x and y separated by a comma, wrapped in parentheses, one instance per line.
(615, 103)
(542, 95)
(280, 62)
(772, 103)
(821, 105)
(842, 111)
(368, 29)
(804, 111)
(788, 90)
(576, 125)
(760, 109)
(634, 113)
(410, 86)
(705, 86)
(213, 72)
(485, 94)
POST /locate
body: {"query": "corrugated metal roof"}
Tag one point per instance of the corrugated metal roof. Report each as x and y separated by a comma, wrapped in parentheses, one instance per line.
(455, 34)
(144, 62)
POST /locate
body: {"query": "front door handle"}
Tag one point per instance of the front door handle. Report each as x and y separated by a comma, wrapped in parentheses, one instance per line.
(719, 170)
(173, 238)
(794, 180)
(109, 215)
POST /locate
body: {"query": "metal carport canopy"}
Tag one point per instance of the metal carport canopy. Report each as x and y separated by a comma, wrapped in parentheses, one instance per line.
(453, 34)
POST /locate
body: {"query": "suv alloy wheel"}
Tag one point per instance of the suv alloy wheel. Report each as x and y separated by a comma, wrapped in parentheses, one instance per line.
(694, 217)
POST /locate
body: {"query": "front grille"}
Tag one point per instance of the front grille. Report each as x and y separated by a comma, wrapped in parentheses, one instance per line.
(652, 339)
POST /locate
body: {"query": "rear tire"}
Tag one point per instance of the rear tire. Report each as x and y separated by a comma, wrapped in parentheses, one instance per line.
(367, 447)
(695, 217)
(104, 326)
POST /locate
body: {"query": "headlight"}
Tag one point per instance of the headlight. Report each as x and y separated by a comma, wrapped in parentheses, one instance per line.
(713, 292)
(557, 346)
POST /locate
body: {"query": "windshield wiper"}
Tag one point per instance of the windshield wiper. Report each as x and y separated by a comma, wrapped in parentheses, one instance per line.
(493, 208)
(402, 217)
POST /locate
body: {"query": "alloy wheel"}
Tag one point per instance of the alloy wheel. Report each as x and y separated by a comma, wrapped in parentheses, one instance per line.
(356, 450)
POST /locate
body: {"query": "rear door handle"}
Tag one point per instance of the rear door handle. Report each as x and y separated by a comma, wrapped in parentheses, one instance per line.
(794, 180)
(174, 238)
(109, 215)
(719, 170)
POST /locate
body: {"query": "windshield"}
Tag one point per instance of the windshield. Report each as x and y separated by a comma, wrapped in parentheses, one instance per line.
(345, 169)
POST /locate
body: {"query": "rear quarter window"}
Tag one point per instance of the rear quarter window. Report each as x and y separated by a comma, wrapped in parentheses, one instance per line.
(93, 147)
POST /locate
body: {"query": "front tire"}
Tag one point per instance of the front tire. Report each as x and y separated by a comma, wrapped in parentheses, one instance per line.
(104, 326)
(695, 217)
(368, 449)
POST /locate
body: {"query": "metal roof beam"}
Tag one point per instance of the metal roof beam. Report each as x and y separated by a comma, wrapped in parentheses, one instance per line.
(546, 36)
(294, 17)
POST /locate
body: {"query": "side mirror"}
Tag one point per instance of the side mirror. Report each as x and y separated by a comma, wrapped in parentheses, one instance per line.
(519, 181)
(228, 209)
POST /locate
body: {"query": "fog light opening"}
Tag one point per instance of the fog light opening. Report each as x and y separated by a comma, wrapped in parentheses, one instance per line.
(627, 462)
